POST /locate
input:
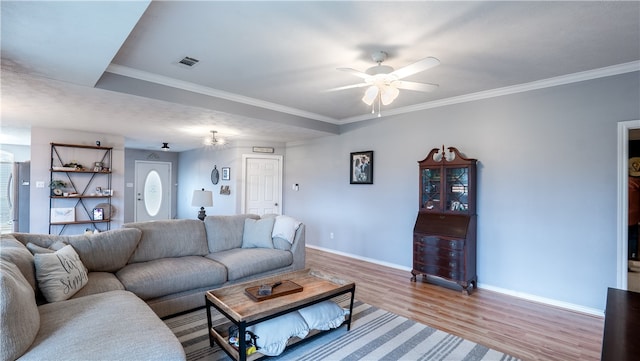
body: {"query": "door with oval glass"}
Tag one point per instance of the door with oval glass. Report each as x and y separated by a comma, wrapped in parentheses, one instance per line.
(153, 191)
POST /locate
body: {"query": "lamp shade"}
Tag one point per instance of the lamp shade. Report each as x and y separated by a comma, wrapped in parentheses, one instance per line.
(202, 198)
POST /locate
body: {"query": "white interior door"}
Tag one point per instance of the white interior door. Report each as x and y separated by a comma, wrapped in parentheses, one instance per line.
(262, 191)
(153, 191)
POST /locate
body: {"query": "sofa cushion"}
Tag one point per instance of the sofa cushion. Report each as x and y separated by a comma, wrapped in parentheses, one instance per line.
(106, 251)
(169, 238)
(225, 232)
(100, 282)
(257, 233)
(61, 274)
(15, 252)
(114, 325)
(34, 248)
(171, 275)
(18, 312)
(244, 262)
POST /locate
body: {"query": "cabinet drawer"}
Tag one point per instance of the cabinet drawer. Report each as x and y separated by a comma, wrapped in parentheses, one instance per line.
(421, 249)
(457, 244)
(455, 275)
(452, 263)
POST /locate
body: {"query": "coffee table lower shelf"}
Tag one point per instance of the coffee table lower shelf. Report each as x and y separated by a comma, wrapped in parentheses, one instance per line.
(222, 340)
(241, 311)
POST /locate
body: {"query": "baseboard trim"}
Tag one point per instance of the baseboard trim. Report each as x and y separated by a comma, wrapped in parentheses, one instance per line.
(525, 296)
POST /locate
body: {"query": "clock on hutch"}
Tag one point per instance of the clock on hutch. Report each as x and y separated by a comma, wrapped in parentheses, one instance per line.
(444, 235)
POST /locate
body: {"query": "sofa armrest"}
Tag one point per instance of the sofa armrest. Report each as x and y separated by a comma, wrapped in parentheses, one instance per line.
(298, 248)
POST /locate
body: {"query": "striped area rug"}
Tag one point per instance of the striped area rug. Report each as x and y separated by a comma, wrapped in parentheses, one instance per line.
(375, 335)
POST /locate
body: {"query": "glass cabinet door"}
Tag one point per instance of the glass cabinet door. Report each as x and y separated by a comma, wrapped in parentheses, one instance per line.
(457, 189)
(431, 189)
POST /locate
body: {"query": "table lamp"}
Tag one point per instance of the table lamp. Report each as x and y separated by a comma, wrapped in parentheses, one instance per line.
(202, 199)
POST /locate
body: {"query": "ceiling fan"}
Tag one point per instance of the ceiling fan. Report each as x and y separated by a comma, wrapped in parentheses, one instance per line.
(384, 82)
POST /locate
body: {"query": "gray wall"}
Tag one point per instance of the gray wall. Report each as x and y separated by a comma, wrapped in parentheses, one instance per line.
(547, 186)
(194, 173)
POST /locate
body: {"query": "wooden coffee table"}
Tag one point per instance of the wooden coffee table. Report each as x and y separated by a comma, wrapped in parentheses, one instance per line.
(241, 310)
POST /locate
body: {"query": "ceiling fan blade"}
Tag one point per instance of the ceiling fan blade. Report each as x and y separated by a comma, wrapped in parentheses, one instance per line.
(418, 66)
(356, 73)
(359, 85)
(410, 85)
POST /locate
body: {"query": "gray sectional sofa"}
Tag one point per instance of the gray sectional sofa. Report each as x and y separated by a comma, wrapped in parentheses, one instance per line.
(110, 306)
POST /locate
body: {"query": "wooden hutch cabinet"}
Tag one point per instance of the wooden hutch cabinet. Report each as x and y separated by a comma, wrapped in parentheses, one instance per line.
(444, 235)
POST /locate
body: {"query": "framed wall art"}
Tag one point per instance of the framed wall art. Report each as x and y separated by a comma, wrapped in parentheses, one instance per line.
(361, 169)
(226, 173)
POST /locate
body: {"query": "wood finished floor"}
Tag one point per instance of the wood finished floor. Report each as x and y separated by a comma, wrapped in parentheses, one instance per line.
(521, 328)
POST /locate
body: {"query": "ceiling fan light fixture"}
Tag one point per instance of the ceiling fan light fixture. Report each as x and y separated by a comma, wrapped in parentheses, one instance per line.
(388, 94)
(370, 95)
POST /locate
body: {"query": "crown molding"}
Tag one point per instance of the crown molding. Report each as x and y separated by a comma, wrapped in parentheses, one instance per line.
(188, 86)
(514, 89)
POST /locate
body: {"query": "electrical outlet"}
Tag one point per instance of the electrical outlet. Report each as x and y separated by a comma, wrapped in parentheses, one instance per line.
(331, 235)
(39, 184)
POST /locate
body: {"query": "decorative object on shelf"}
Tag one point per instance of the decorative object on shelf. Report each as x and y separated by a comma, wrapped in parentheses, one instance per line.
(215, 175)
(444, 234)
(202, 198)
(226, 173)
(73, 165)
(361, 170)
(97, 167)
(97, 143)
(263, 149)
(98, 214)
(57, 187)
(63, 215)
(108, 210)
(165, 147)
(225, 190)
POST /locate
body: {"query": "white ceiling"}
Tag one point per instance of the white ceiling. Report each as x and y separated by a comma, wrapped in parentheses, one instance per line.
(264, 66)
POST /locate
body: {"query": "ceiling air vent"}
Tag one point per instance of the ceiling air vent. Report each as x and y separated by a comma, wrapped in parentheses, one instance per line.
(188, 61)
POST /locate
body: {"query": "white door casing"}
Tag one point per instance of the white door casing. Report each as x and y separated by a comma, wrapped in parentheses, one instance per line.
(623, 200)
(262, 188)
(153, 191)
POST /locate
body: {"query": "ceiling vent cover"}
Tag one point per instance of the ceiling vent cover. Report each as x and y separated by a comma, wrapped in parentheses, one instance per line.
(188, 61)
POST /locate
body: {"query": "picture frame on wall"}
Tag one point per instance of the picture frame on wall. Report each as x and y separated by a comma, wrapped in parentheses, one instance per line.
(226, 173)
(361, 167)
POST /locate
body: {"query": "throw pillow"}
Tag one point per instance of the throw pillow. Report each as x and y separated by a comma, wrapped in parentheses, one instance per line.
(18, 312)
(273, 334)
(257, 233)
(285, 227)
(61, 274)
(323, 316)
(225, 232)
